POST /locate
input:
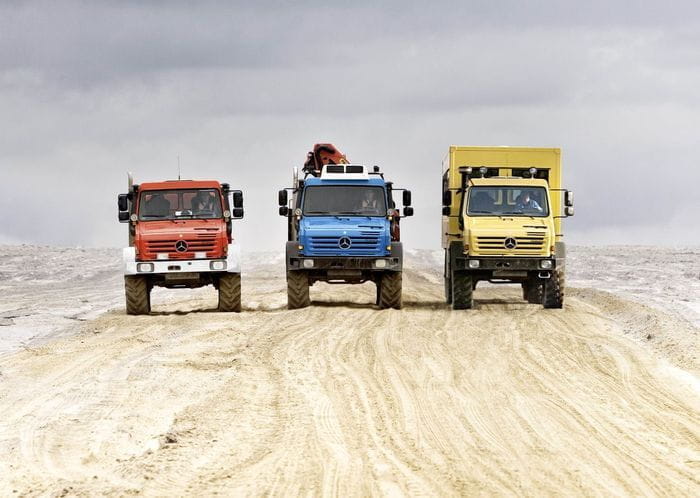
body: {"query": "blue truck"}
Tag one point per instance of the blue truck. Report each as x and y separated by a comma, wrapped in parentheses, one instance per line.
(343, 227)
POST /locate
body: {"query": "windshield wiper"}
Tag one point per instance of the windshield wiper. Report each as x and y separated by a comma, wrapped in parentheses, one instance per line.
(481, 212)
(316, 212)
(153, 216)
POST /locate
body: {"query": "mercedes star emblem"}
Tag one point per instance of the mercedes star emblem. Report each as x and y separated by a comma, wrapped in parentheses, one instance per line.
(180, 246)
(344, 243)
(510, 243)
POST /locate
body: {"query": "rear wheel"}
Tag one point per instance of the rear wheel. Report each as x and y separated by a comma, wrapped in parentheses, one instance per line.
(297, 290)
(533, 293)
(448, 280)
(230, 292)
(390, 290)
(462, 290)
(138, 295)
(554, 290)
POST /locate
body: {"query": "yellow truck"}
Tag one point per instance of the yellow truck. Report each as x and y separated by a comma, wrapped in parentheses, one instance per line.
(501, 223)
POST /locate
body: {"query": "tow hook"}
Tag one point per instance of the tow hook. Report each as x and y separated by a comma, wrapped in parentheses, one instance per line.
(544, 274)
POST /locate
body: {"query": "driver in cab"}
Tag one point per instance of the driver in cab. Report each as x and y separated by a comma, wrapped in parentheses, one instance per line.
(525, 202)
(370, 202)
(203, 202)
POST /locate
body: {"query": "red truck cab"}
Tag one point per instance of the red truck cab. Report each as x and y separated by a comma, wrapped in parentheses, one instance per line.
(180, 235)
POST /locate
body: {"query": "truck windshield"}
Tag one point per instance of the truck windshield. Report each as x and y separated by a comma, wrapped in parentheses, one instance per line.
(510, 201)
(181, 203)
(346, 200)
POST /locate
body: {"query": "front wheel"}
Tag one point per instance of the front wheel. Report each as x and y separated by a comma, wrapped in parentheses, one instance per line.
(138, 295)
(390, 290)
(297, 290)
(462, 290)
(230, 292)
(554, 290)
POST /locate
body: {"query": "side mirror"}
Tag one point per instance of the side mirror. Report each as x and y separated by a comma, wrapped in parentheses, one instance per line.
(408, 210)
(446, 210)
(123, 216)
(284, 211)
(569, 210)
(447, 198)
(569, 198)
(123, 202)
(237, 213)
(407, 198)
(282, 197)
(237, 199)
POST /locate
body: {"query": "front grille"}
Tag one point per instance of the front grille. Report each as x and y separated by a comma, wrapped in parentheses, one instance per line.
(200, 243)
(360, 244)
(532, 245)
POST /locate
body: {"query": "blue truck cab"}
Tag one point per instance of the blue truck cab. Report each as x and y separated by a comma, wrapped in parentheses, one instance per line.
(343, 227)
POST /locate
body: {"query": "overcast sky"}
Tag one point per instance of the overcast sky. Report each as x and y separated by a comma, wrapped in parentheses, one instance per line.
(240, 91)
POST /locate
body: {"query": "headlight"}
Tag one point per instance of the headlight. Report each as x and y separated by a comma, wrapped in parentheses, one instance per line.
(546, 264)
(217, 265)
(473, 263)
(380, 263)
(144, 267)
(308, 263)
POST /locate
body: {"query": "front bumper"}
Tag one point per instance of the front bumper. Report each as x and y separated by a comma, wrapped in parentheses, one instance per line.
(504, 264)
(160, 267)
(392, 262)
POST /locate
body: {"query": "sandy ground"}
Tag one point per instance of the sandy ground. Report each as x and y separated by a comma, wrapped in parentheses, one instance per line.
(601, 398)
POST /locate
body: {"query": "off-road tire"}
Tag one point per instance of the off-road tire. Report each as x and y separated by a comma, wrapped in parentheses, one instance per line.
(554, 290)
(230, 292)
(390, 290)
(534, 293)
(462, 290)
(297, 290)
(378, 283)
(448, 280)
(138, 295)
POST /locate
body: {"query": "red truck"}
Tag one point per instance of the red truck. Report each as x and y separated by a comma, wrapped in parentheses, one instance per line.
(180, 236)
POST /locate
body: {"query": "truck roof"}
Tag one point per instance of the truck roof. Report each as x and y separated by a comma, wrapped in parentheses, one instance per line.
(375, 182)
(182, 184)
(508, 180)
(492, 148)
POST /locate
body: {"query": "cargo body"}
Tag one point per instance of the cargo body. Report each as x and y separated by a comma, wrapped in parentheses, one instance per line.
(342, 227)
(502, 222)
(180, 236)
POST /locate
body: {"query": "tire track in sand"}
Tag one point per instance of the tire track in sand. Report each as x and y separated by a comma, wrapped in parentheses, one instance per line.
(345, 399)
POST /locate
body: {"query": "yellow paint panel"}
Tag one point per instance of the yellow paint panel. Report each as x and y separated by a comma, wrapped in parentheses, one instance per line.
(505, 159)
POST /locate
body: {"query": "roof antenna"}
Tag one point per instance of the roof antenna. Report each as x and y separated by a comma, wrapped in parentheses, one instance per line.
(178, 166)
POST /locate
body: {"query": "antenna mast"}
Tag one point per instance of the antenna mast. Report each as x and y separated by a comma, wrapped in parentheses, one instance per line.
(178, 166)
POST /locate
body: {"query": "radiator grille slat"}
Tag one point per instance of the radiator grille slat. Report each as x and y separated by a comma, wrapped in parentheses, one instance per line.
(531, 244)
(200, 243)
(363, 244)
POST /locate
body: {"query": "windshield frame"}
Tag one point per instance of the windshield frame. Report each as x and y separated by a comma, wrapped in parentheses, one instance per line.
(185, 213)
(513, 212)
(379, 211)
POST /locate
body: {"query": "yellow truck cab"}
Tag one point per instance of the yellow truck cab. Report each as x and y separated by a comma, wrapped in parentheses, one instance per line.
(502, 211)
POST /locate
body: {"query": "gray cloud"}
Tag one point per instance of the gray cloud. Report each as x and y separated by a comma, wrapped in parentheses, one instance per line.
(241, 92)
